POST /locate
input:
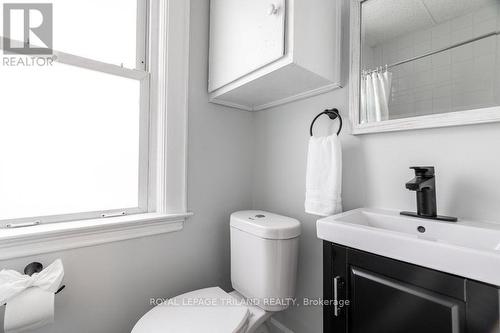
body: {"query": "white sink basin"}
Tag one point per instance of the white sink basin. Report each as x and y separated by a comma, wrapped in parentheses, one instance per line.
(465, 248)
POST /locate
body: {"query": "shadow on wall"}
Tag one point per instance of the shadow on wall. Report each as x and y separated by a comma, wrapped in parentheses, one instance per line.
(354, 164)
(462, 191)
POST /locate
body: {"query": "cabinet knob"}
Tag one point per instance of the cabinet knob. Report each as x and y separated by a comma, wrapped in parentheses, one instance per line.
(273, 9)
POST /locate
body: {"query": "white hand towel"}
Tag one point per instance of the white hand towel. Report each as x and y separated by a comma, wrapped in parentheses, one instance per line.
(13, 283)
(324, 176)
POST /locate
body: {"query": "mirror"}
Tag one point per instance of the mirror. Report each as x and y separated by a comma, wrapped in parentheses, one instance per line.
(424, 63)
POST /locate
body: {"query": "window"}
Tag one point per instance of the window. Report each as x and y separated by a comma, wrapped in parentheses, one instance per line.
(89, 137)
(75, 134)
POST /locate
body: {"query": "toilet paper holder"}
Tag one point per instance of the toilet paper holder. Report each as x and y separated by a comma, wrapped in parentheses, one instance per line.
(36, 267)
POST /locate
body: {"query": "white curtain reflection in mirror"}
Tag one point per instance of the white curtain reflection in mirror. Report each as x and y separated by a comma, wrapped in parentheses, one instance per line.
(375, 96)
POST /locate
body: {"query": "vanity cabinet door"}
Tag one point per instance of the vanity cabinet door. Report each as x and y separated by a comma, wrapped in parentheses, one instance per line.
(334, 287)
(389, 296)
(384, 305)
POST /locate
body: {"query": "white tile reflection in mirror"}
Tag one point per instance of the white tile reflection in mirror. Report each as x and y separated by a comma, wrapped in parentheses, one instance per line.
(442, 77)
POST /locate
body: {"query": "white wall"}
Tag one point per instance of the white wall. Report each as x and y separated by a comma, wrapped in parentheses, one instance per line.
(375, 171)
(109, 286)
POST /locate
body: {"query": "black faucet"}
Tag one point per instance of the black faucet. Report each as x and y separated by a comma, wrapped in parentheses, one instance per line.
(424, 184)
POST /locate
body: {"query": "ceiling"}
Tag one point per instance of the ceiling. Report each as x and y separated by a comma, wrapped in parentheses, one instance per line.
(387, 19)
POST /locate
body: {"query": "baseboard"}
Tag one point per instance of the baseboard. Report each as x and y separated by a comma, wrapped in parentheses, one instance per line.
(277, 327)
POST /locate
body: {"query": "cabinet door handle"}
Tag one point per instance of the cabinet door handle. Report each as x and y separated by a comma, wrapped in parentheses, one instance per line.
(337, 283)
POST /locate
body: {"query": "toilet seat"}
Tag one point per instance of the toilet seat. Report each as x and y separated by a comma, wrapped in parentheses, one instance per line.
(209, 310)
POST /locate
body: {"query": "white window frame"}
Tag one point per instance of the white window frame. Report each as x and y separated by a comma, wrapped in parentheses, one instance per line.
(163, 146)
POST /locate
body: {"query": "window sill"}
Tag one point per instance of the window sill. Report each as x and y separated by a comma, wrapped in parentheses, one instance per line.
(15, 243)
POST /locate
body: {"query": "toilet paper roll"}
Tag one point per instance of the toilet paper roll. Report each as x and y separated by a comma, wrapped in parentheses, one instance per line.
(31, 309)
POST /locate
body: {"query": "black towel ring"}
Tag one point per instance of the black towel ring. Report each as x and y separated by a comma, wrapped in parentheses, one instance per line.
(333, 114)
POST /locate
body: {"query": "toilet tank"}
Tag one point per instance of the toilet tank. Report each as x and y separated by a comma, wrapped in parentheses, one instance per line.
(264, 254)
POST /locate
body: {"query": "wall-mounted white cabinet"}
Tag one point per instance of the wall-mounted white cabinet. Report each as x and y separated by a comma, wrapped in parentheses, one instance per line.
(264, 53)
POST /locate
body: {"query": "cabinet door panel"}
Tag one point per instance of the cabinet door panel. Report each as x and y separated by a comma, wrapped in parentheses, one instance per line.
(384, 305)
(244, 36)
(447, 284)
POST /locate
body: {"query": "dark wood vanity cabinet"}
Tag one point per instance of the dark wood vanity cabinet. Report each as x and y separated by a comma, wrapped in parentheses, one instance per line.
(367, 293)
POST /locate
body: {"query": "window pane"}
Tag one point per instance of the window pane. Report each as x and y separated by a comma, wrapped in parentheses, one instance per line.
(103, 30)
(69, 141)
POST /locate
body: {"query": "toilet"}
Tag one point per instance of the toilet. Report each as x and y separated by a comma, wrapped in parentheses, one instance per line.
(264, 253)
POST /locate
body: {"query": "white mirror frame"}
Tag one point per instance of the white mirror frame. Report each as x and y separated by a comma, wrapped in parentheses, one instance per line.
(476, 116)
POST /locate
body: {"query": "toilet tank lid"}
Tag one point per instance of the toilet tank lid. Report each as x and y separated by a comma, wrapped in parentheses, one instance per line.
(265, 225)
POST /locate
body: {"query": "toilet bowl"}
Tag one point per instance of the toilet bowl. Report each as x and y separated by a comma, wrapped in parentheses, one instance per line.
(264, 253)
(209, 310)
